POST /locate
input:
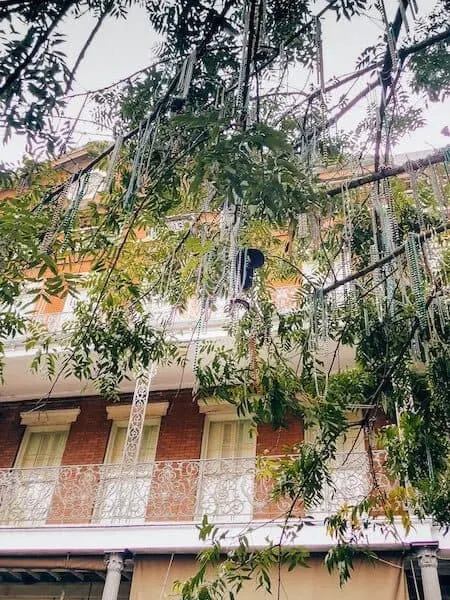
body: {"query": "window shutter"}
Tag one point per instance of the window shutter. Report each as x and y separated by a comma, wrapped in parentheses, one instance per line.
(246, 443)
(148, 444)
(44, 449)
(118, 444)
(229, 439)
(344, 442)
(214, 442)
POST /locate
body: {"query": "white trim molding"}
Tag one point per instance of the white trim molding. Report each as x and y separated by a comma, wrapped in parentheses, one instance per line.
(121, 412)
(214, 405)
(61, 416)
(182, 538)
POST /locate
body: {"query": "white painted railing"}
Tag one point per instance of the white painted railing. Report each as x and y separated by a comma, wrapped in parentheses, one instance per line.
(227, 490)
(174, 321)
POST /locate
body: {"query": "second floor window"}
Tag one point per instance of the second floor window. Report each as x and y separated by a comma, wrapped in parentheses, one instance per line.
(42, 447)
(228, 439)
(117, 442)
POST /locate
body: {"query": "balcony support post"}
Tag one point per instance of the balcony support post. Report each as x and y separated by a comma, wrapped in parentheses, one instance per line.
(114, 568)
(428, 563)
(137, 418)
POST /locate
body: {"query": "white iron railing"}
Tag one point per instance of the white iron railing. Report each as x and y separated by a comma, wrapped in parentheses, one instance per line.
(227, 490)
(160, 314)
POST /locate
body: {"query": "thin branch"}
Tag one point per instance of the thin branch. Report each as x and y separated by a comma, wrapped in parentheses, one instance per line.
(260, 67)
(335, 118)
(88, 42)
(217, 23)
(386, 80)
(403, 54)
(383, 261)
(160, 105)
(334, 85)
(127, 232)
(126, 79)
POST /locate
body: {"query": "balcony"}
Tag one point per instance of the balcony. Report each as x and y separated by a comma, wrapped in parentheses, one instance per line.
(178, 323)
(227, 490)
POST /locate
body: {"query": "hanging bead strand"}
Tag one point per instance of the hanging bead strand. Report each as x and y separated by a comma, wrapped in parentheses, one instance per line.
(412, 251)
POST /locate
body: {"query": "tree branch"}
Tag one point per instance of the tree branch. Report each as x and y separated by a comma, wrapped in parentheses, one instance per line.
(390, 172)
(126, 79)
(435, 39)
(88, 42)
(330, 88)
(403, 53)
(383, 261)
(335, 118)
(386, 81)
(160, 105)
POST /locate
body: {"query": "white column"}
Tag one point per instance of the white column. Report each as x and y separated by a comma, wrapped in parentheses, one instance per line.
(114, 567)
(428, 563)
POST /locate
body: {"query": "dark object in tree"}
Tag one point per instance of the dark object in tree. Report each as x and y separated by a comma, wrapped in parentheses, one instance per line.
(177, 104)
(247, 260)
(240, 302)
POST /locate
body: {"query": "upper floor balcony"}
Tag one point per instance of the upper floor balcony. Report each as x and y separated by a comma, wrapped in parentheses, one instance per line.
(228, 490)
(181, 324)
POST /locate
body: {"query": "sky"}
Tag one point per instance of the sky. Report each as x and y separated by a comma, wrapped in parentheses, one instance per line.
(124, 46)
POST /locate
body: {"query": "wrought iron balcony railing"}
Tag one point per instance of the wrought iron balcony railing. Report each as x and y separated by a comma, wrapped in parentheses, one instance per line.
(160, 314)
(227, 490)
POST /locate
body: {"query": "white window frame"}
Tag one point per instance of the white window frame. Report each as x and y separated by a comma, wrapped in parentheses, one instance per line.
(119, 487)
(90, 193)
(352, 416)
(52, 418)
(32, 495)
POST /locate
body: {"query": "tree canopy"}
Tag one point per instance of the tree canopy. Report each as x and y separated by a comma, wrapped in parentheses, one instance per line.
(205, 137)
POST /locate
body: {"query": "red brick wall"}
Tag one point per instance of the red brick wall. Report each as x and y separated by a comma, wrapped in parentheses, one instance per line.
(275, 441)
(11, 433)
(180, 436)
(88, 436)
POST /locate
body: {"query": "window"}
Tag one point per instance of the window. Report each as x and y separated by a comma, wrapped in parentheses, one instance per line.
(229, 439)
(227, 473)
(42, 448)
(124, 490)
(118, 436)
(89, 189)
(350, 441)
(30, 495)
(350, 468)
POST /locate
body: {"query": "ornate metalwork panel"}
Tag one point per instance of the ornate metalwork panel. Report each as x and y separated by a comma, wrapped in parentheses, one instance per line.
(228, 490)
(137, 418)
